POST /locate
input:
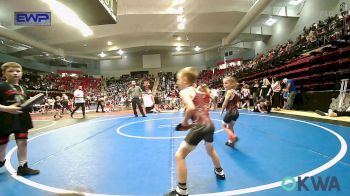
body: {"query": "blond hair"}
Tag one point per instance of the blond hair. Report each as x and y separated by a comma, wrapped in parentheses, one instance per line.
(189, 73)
(7, 65)
(231, 80)
(266, 82)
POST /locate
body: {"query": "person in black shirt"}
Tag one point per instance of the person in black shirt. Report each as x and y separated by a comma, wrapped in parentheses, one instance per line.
(100, 102)
(57, 106)
(12, 119)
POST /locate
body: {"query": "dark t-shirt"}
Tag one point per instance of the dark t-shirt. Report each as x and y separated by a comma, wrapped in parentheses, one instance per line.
(57, 105)
(265, 90)
(13, 123)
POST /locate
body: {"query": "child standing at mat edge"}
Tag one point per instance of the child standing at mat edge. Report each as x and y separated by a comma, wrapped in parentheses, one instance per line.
(231, 106)
(196, 104)
(12, 119)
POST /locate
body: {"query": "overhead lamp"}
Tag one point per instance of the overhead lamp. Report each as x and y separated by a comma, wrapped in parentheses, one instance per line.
(180, 10)
(181, 26)
(179, 38)
(69, 17)
(197, 48)
(120, 52)
(178, 48)
(271, 21)
(109, 43)
(102, 54)
(180, 18)
(295, 2)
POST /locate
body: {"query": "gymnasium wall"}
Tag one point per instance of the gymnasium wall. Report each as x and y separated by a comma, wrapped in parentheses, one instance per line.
(170, 63)
(91, 69)
(25, 63)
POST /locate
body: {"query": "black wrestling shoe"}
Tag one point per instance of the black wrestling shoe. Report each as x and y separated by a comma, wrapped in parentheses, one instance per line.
(2, 163)
(136, 115)
(25, 171)
(174, 193)
(230, 144)
(220, 175)
(144, 116)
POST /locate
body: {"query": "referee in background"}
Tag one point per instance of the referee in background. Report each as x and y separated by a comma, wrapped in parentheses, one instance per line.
(135, 92)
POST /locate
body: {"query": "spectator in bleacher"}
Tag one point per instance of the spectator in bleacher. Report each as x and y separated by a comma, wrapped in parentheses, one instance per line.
(312, 38)
(51, 102)
(79, 101)
(291, 89)
(214, 103)
(100, 102)
(265, 89)
(148, 101)
(65, 100)
(276, 89)
(58, 107)
(157, 101)
(255, 91)
(88, 101)
(245, 96)
(135, 92)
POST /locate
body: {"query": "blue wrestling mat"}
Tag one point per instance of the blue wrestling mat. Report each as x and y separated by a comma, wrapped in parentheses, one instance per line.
(123, 155)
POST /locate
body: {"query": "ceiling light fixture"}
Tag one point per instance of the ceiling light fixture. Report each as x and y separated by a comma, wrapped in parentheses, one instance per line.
(109, 43)
(178, 48)
(271, 21)
(180, 10)
(180, 18)
(102, 54)
(181, 26)
(295, 2)
(69, 17)
(120, 52)
(197, 48)
(178, 38)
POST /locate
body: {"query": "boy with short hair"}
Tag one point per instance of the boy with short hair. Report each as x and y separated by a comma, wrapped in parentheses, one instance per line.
(196, 104)
(12, 118)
